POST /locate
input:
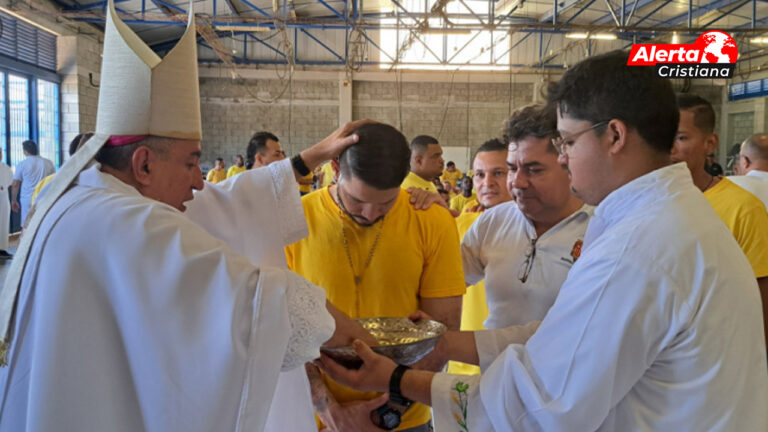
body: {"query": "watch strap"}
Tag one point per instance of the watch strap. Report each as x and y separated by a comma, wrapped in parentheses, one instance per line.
(300, 166)
(395, 394)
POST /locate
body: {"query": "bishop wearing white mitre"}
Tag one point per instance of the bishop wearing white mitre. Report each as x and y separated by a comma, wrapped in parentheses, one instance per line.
(121, 312)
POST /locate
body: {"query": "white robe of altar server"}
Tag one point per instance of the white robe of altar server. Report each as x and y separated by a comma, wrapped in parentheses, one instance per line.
(259, 229)
(658, 327)
(131, 317)
(6, 179)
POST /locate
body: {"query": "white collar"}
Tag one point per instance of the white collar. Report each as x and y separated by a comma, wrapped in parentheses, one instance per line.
(93, 177)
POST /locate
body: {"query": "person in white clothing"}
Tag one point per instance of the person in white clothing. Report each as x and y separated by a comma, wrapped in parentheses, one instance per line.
(28, 174)
(524, 248)
(752, 166)
(6, 179)
(658, 326)
(126, 314)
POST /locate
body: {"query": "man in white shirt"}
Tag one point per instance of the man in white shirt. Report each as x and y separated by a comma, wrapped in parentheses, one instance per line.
(28, 174)
(6, 179)
(658, 326)
(752, 166)
(524, 248)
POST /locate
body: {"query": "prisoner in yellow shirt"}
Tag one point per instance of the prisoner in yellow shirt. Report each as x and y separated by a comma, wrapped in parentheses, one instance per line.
(216, 175)
(460, 201)
(451, 176)
(474, 307)
(417, 256)
(235, 170)
(413, 180)
(746, 217)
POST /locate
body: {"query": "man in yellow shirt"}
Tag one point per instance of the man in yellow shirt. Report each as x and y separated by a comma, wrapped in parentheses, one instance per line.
(426, 163)
(263, 149)
(466, 196)
(218, 173)
(490, 168)
(237, 168)
(743, 213)
(451, 173)
(377, 256)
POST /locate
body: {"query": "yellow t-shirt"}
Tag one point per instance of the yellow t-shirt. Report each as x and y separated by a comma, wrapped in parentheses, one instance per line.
(474, 309)
(746, 217)
(234, 170)
(417, 255)
(460, 201)
(306, 188)
(452, 177)
(413, 180)
(327, 175)
(216, 175)
(40, 187)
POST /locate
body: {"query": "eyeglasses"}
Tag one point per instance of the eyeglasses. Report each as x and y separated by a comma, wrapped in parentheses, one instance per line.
(530, 254)
(560, 141)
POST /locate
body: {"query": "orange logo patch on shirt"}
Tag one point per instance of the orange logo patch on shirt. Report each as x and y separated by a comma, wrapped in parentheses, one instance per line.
(576, 250)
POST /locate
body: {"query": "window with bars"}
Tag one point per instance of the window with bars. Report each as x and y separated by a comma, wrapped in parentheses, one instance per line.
(29, 91)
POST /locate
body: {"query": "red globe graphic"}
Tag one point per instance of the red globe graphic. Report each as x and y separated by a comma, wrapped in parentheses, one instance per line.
(717, 47)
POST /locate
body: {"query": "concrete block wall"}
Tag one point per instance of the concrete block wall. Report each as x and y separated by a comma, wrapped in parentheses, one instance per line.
(740, 127)
(233, 110)
(458, 114)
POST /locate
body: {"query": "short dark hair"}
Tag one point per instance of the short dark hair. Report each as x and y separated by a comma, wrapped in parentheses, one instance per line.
(603, 87)
(703, 113)
(30, 147)
(450, 163)
(218, 159)
(78, 140)
(119, 157)
(381, 158)
(258, 143)
(539, 121)
(492, 145)
(420, 143)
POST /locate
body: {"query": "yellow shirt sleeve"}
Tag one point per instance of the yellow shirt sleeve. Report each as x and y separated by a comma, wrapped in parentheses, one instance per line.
(443, 274)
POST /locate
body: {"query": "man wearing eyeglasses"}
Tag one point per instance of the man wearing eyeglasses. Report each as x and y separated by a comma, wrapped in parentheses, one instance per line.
(377, 256)
(658, 326)
(524, 249)
(752, 166)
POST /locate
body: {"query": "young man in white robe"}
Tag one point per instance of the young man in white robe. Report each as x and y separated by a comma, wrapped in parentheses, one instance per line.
(130, 316)
(658, 325)
(6, 180)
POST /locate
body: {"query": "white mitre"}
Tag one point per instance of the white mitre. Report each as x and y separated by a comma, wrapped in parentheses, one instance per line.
(139, 95)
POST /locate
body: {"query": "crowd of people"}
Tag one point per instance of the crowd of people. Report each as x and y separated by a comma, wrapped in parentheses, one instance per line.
(593, 274)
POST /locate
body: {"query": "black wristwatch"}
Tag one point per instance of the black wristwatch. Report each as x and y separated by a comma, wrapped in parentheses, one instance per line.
(387, 417)
(299, 165)
(394, 386)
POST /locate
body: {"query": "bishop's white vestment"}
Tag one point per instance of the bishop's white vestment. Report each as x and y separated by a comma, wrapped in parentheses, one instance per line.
(131, 317)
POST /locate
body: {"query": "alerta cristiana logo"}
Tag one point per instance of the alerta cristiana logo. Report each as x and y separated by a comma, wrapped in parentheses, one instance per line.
(713, 55)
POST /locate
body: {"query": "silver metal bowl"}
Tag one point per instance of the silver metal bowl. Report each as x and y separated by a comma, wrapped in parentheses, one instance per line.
(400, 339)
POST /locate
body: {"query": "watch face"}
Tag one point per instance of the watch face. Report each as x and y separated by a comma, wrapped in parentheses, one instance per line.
(386, 417)
(391, 419)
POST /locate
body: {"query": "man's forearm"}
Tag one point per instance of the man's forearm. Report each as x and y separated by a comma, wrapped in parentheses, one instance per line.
(15, 190)
(458, 346)
(417, 386)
